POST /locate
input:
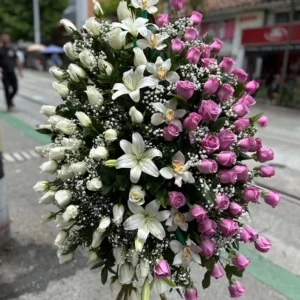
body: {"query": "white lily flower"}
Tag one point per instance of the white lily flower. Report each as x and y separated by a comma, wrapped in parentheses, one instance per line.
(147, 5)
(139, 57)
(147, 220)
(62, 90)
(168, 114)
(92, 27)
(95, 98)
(179, 171)
(122, 11)
(137, 158)
(178, 219)
(70, 52)
(136, 115)
(133, 81)
(69, 26)
(88, 59)
(185, 254)
(161, 70)
(152, 41)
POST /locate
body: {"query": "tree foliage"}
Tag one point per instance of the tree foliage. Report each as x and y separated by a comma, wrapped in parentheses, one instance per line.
(16, 18)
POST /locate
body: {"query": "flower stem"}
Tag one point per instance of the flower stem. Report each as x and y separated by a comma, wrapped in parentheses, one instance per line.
(144, 14)
(180, 237)
(163, 297)
(122, 293)
(134, 42)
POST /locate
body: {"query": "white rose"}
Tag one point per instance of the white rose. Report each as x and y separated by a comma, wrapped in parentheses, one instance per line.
(49, 167)
(53, 120)
(46, 126)
(98, 12)
(87, 59)
(76, 73)
(48, 110)
(103, 224)
(105, 66)
(145, 268)
(70, 52)
(123, 11)
(136, 116)
(119, 254)
(93, 258)
(110, 135)
(68, 25)
(126, 273)
(92, 27)
(70, 213)
(63, 197)
(41, 186)
(97, 239)
(58, 73)
(84, 120)
(64, 258)
(94, 185)
(115, 285)
(64, 172)
(78, 168)
(71, 143)
(137, 195)
(118, 213)
(66, 126)
(95, 98)
(98, 153)
(61, 223)
(48, 198)
(62, 90)
(139, 57)
(57, 153)
(41, 150)
(47, 217)
(60, 238)
(116, 40)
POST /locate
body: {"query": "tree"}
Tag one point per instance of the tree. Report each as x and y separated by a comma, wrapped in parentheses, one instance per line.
(16, 18)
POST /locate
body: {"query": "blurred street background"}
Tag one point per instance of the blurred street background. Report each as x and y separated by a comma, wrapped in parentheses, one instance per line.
(263, 37)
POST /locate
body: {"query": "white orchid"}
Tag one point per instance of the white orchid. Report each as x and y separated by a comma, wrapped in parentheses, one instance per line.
(147, 5)
(147, 220)
(132, 26)
(152, 40)
(185, 254)
(137, 158)
(178, 219)
(179, 171)
(133, 81)
(161, 70)
(168, 114)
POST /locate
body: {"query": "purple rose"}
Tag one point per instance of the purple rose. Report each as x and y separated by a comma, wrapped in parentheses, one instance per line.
(208, 166)
(170, 132)
(266, 171)
(250, 144)
(209, 110)
(192, 121)
(222, 202)
(191, 294)
(196, 18)
(177, 45)
(240, 74)
(185, 89)
(162, 19)
(162, 269)
(236, 290)
(251, 87)
(235, 209)
(206, 52)
(263, 121)
(240, 109)
(226, 138)
(226, 64)
(251, 194)
(176, 199)
(207, 62)
(228, 176)
(210, 143)
(198, 212)
(207, 228)
(208, 248)
(245, 235)
(177, 4)
(247, 100)
(191, 34)
(228, 227)
(253, 234)
(272, 198)
(216, 46)
(226, 158)
(265, 155)
(225, 92)
(193, 55)
(240, 262)
(211, 86)
(263, 244)
(217, 271)
(241, 124)
(242, 173)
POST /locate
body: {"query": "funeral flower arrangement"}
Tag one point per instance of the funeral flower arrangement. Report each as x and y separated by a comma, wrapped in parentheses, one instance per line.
(148, 154)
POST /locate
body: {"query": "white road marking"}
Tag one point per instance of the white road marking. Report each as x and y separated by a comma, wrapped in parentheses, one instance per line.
(26, 155)
(33, 153)
(18, 156)
(7, 157)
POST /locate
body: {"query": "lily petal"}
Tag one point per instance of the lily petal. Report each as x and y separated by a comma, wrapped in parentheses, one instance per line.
(172, 77)
(126, 147)
(135, 209)
(135, 174)
(135, 95)
(160, 107)
(175, 246)
(179, 157)
(151, 153)
(138, 144)
(134, 222)
(148, 167)
(143, 232)
(162, 215)
(167, 173)
(143, 44)
(157, 119)
(188, 177)
(126, 161)
(179, 113)
(178, 259)
(157, 230)
(152, 208)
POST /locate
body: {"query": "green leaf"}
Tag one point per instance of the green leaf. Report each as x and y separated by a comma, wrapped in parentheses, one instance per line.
(244, 156)
(162, 197)
(44, 131)
(104, 275)
(180, 100)
(206, 280)
(256, 117)
(219, 124)
(98, 265)
(239, 89)
(121, 182)
(170, 283)
(210, 197)
(179, 292)
(106, 189)
(88, 132)
(210, 263)
(232, 270)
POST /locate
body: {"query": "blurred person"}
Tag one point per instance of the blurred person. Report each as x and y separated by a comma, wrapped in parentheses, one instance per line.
(8, 62)
(56, 60)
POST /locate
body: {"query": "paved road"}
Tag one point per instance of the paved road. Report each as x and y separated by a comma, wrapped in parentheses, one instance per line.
(29, 269)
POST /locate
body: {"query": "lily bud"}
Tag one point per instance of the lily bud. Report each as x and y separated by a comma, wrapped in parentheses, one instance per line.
(139, 57)
(69, 26)
(58, 73)
(139, 244)
(118, 212)
(49, 167)
(110, 135)
(48, 110)
(123, 11)
(98, 153)
(126, 274)
(98, 12)
(94, 185)
(41, 186)
(76, 73)
(111, 163)
(63, 197)
(62, 90)
(104, 224)
(92, 27)
(70, 52)
(66, 126)
(57, 153)
(48, 198)
(97, 239)
(64, 172)
(136, 116)
(87, 59)
(94, 97)
(84, 120)
(116, 40)
(60, 238)
(78, 168)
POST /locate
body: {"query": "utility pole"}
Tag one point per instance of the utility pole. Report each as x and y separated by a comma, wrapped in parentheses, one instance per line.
(36, 21)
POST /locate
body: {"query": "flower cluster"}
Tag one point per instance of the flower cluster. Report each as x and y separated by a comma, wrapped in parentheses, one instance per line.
(148, 151)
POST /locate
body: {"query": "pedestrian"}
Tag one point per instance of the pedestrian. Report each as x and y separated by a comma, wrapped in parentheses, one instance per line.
(8, 63)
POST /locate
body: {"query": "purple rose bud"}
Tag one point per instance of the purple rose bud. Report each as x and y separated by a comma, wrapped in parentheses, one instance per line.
(225, 92)
(263, 121)
(242, 173)
(236, 290)
(171, 132)
(216, 46)
(226, 158)
(228, 176)
(253, 234)
(228, 227)
(177, 45)
(263, 244)
(208, 248)
(162, 19)
(209, 110)
(162, 269)
(207, 62)
(265, 155)
(210, 143)
(240, 109)
(251, 87)
(208, 166)
(226, 138)
(226, 64)
(222, 202)
(217, 271)
(266, 171)
(240, 74)
(198, 212)
(191, 294)
(193, 55)
(240, 262)
(191, 34)
(272, 198)
(207, 228)
(206, 52)
(211, 86)
(241, 124)
(196, 18)
(176, 199)
(250, 144)
(177, 4)
(245, 235)
(247, 100)
(235, 209)
(251, 194)
(185, 89)
(192, 121)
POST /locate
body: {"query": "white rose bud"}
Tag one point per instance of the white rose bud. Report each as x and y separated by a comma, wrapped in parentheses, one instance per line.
(48, 110)
(93, 258)
(105, 66)
(57, 153)
(70, 213)
(119, 254)
(87, 59)
(63, 197)
(98, 12)
(115, 285)
(41, 186)
(71, 143)
(64, 172)
(69, 26)
(47, 217)
(92, 27)
(62, 90)
(98, 153)
(95, 98)
(103, 224)
(126, 274)
(139, 57)
(49, 167)
(94, 185)
(145, 268)
(123, 11)
(84, 120)
(60, 238)
(53, 120)
(118, 213)
(76, 73)
(110, 135)
(64, 258)
(136, 116)
(78, 168)
(58, 73)
(116, 40)
(61, 223)
(134, 258)
(41, 150)
(66, 126)
(70, 52)
(48, 198)
(137, 195)
(97, 239)
(46, 126)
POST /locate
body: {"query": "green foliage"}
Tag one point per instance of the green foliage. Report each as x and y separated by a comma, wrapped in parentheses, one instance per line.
(206, 280)
(232, 271)
(110, 7)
